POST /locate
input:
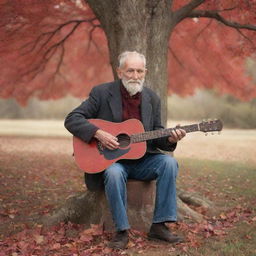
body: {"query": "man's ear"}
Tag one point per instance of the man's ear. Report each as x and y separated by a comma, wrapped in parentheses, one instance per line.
(119, 73)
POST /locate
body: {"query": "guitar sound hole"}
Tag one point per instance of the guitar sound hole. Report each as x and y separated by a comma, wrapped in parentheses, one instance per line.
(124, 140)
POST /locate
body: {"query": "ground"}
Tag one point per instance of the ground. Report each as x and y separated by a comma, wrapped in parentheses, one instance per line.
(37, 173)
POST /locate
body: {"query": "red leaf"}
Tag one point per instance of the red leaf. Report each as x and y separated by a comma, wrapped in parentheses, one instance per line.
(86, 238)
(39, 239)
(56, 246)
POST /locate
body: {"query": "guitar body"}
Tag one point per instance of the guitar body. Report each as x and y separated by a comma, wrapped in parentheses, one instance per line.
(93, 158)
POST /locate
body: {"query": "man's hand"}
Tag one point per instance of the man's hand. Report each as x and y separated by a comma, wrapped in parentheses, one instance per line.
(108, 140)
(177, 134)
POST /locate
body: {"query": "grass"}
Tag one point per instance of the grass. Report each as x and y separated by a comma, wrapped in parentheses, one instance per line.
(228, 185)
(231, 178)
(240, 241)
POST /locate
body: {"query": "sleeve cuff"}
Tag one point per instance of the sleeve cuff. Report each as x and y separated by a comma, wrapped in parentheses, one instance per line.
(94, 130)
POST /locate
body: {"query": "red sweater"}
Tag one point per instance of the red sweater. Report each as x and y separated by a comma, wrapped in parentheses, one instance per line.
(131, 105)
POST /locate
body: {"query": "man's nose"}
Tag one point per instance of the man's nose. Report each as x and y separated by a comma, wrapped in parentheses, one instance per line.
(135, 75)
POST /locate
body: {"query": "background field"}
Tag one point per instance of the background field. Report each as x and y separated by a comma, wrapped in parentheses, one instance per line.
(229, 145)
(203, 105)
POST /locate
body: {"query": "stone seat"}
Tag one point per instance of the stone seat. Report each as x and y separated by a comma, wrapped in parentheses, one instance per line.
(140, 206)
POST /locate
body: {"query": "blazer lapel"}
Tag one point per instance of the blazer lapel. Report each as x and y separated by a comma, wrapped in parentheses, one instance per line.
(115, 102)
(146, 109)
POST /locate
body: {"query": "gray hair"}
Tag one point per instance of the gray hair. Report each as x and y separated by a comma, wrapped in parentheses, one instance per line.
(124, 55)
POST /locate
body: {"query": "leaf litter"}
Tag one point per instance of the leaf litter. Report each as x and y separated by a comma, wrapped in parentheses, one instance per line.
(34, 183)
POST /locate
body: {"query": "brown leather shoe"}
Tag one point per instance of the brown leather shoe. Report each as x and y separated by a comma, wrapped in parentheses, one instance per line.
(120, 240)
(159, 231)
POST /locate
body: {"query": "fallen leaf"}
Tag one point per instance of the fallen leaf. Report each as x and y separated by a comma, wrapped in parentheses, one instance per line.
(56, 246)
(107, 250)
(68, 245)
(86, 238)
(223, 216)
(219, 232)
(39, 239)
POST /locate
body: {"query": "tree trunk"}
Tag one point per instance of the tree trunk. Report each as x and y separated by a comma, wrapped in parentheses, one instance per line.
(92, 208)
(144, 26)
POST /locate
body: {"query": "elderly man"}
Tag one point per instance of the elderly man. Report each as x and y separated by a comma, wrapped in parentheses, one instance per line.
(118, 101)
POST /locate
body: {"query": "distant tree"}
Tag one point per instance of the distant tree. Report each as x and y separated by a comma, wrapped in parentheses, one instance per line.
(53, 48)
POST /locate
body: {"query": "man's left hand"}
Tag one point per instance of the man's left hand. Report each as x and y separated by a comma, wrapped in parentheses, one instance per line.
(177, 134)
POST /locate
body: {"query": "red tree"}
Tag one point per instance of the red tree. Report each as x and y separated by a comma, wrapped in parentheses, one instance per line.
(49, 49)
(52, 48)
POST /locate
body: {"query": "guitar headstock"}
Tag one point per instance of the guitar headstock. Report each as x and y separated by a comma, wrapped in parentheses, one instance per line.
(210, 126)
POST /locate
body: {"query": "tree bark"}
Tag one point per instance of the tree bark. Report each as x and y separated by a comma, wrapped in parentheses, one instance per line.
(144, 26)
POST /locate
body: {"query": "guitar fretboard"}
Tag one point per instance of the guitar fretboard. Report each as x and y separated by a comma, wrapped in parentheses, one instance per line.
(140, 137)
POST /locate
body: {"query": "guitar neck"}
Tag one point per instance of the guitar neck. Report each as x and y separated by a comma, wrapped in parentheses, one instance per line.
(140, 137)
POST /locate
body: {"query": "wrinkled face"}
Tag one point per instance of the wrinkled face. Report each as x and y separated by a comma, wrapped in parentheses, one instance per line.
(132, 74)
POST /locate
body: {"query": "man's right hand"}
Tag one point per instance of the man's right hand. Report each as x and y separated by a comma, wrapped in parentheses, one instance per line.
(108, 140)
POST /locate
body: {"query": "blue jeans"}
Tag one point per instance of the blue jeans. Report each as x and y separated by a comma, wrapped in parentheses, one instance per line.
(161, 167)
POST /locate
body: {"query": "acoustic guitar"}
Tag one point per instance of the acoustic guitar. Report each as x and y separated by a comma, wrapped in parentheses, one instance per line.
(93, 157)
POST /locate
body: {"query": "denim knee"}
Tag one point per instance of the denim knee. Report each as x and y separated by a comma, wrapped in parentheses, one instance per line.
(169, 166)
(114, 173)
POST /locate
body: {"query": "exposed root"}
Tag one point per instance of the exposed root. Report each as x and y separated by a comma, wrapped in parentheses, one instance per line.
(80, 208)
(184, 211)
(194, 199)
(91, 208)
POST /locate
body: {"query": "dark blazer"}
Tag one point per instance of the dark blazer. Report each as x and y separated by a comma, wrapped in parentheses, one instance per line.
(105, 102)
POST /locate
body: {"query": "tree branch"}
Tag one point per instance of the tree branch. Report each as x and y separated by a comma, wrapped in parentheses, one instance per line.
(41, 44)
(246, 37)
(47, 36)
(91, 39)
(176, 57)
(215, 15)
(184, 11)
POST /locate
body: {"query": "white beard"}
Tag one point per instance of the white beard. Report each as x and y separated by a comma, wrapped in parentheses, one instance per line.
(133, 86)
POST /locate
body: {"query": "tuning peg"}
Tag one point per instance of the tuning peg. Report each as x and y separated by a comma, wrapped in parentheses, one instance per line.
(213, 133)
(219, 132)
(206, 134)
